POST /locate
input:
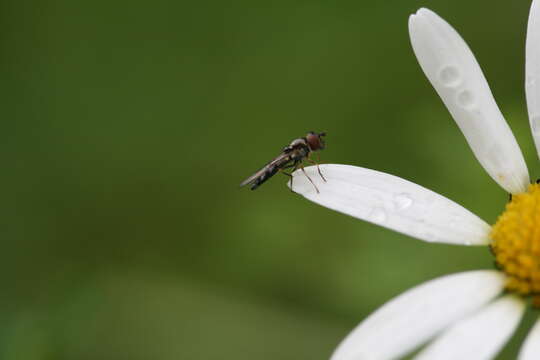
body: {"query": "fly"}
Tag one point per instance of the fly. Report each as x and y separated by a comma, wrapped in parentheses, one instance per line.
(291, 157)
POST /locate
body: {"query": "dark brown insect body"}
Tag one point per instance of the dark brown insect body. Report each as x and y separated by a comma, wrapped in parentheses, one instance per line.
(291, 158)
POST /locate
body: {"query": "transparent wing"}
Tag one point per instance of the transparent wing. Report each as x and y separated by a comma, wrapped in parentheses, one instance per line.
(278, 160)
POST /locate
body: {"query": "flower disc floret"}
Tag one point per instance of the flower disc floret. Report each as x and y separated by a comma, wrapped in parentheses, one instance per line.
(516, 243)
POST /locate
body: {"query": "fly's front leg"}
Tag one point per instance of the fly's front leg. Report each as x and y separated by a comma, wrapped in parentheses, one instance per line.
(316, 163)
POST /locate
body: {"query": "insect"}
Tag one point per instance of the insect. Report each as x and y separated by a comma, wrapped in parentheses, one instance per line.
(291, 157)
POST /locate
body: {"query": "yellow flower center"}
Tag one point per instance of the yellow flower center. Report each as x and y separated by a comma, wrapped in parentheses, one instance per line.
(516, 243)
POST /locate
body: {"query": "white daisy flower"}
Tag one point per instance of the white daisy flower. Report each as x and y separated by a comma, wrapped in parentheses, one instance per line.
(464, 315)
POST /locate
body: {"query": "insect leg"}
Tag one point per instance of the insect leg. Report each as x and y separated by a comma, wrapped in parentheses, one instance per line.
(294, 166)
(317, 163)
(289, 175)
(289, 166)
(311, 181)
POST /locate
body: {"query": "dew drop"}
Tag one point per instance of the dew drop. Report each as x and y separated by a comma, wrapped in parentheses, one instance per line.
(427, 236)
(432, 237)
(465, 99)
(449, 76)
(535, 124)
(531, 81)
(403, 201)
(378, 215)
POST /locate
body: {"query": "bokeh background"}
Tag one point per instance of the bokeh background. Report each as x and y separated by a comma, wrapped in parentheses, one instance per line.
(127, 127)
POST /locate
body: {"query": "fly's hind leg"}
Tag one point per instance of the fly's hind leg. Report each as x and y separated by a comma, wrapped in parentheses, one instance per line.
(294, 166)
(290, 176)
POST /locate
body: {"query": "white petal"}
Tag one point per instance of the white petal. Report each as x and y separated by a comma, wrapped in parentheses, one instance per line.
(456, 76)
(530, 350)
(392, 202)
(532, 72)
(412, 318)
(479, 337)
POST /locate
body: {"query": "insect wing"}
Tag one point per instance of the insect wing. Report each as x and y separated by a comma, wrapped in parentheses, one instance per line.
(279, 159)
(254, 177)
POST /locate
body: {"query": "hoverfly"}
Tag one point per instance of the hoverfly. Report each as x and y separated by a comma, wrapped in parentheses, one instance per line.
(291, 157)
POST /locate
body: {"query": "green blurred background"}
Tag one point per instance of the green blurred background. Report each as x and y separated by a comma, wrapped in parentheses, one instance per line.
(127, 127)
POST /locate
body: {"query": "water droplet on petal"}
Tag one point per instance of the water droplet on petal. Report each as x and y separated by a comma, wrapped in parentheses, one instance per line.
(465, 99)
(531, 80)
(429, 236)
(535, 124)
(403, 201)
(449, 76)
(378, 215)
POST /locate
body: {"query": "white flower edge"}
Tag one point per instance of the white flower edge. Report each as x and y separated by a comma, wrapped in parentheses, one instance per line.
(417, 315)
(530, 350)
(532, 72)
(480, 336)
(455, 74)
(392, 202)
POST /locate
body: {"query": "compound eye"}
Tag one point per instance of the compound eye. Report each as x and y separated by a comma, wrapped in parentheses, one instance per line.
(314, 141)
